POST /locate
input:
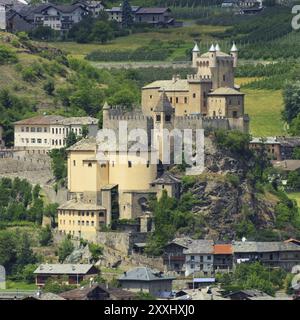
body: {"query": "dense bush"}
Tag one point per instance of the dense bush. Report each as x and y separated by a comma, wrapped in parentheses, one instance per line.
(7, 55)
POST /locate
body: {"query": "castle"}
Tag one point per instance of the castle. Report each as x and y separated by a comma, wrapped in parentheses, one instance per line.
(103, 192)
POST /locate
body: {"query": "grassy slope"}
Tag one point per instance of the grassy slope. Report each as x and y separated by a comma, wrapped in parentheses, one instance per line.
(11, 79)
(264, 108)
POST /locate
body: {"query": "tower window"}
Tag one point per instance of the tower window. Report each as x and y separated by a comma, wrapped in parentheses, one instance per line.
(194, 95)
(74, 163)
(185, 100)
(151, 97)
(158, 117)
(171, 99)
(177, 100)
(168, 118)
(234, 114)
(223, 77)
(90, 164)
(129, 164)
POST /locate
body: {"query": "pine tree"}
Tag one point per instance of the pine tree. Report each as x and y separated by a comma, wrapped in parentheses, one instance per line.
(127, 17)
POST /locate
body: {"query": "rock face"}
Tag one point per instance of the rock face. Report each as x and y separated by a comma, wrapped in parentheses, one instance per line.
(223, 203)
(223, 206)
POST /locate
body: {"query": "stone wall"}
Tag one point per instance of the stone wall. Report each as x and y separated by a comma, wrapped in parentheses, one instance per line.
(121, 241)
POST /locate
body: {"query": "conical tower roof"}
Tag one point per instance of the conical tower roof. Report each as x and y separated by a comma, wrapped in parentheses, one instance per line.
(163, 104)
(105, 106)
(233, 48)
(212, 48)
(217, 47)
(196, 48)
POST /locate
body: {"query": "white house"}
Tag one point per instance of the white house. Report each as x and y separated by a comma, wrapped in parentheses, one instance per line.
(50, 131)
(199, 257)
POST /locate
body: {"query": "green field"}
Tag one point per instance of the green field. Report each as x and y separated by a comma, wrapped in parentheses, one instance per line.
(133, 41)
(13, 286)
(264, 108)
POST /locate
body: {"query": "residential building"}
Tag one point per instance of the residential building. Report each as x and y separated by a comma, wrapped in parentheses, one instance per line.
(143, 279)
(49, 131)
(223, 257)
(2, 144)
(93, 7)
(59, 17)
(152, 16)
(97, 292)
(115, 13)
(169, 183)
(82, 220)
(20, 18)
(173, 256)
(199, 257)
(286, 165)
(251, 294)
(69, 273)
(272, 254)
(277, 148)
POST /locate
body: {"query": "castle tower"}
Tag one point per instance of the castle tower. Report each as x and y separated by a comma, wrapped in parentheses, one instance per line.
(212, 56)
(105, 113)
(195, 54)
(234, 54)
(163, 119)
(218, 49)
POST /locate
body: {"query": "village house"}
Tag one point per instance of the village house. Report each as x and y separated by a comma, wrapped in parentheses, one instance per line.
(199, 257)
(59, 17)
(93, 7)
(143, 279)
(223, 257)
(155, 16)
(97, 292)
(48, 132)
(68, 273)
(173, 256)
(19, 18)
(272, 254)
(277, 148)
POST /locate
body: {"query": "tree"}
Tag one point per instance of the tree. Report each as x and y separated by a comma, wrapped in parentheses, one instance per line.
(8, 253)
(27, 273)
(291, 96)
(45, 236)
(294, 129)
(71, 139)
(25, 254)
(127, 16)
(85, 131)
(65, 249)
(102, 32)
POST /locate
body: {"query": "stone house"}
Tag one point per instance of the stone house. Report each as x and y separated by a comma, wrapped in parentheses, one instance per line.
(277, 148)
(199, 257)
(97, 292)
(68, 273)
(223, 257)
(272, 254)
(143, 279)
(173, 256)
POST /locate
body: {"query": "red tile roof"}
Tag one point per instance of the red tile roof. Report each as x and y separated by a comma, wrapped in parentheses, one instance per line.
(222, 249)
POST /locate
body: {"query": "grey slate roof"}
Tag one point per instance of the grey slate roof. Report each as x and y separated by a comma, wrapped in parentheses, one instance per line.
(271, 246)
(144, 274)
(163, 104)
(200, 246)
(63, 269)
(166, 178)
(152, 10)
